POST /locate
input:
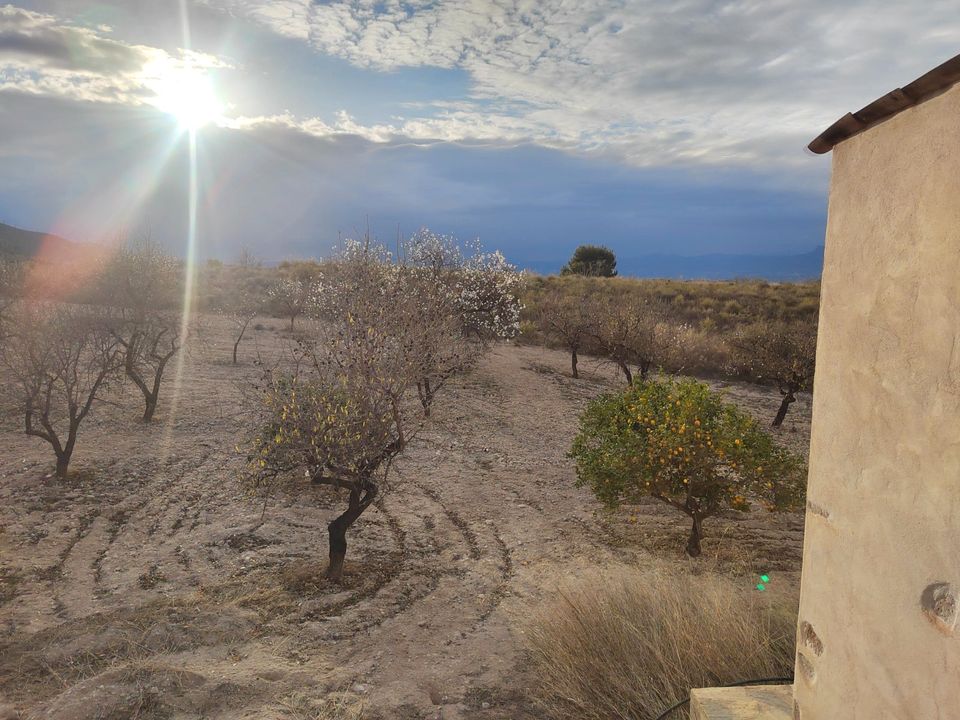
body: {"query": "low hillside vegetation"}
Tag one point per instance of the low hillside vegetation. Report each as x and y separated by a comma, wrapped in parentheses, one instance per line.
(748, 330)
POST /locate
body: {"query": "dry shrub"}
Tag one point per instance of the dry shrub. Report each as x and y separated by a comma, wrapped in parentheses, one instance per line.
(629, 643)
(694, 351)
(335, 706)
(698, 318)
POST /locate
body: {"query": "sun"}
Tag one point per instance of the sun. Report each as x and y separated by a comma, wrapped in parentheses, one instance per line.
(188, 95)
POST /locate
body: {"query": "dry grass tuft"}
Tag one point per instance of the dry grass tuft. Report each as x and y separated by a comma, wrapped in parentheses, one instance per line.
(304, 578)
(628, 643)
(335, 706)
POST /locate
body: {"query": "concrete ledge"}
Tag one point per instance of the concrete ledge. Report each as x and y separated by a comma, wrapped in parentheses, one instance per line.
(757, 702)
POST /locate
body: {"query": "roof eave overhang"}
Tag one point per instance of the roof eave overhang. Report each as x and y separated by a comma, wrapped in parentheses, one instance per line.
(923, 88)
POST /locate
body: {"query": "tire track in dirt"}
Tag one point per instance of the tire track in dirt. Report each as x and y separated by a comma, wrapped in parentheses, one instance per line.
(57, 575)
(455, 519)
(435, 555)
(478, 528)
(128, 548)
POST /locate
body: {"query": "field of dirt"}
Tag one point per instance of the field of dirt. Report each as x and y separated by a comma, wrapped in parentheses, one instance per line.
(146, 586)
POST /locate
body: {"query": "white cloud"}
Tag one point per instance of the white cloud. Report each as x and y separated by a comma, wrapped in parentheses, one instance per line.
(743, 81)
(648, 82)
(41, 54)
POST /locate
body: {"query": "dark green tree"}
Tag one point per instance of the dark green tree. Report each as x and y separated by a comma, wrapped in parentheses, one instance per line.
(592, 260)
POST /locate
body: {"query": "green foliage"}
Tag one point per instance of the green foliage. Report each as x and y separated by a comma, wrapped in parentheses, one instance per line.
(331, 427)
(679, 442)
(591, 260)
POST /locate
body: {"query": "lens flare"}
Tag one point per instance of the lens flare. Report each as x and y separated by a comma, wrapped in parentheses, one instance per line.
(189, 119)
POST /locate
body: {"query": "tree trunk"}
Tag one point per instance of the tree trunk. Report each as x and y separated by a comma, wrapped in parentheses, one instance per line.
(626, 372)
(428, 396)
(66, 451)
(573, 362)
(151, 398)
(243, 329)
(425, 393)
(338, 529)
(693, 544)
(150, 401)
(237, 344)
(788, 398)
(644, 369)
(338, 547)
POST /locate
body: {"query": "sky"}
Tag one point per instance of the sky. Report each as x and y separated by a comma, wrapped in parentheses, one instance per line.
(649, 126)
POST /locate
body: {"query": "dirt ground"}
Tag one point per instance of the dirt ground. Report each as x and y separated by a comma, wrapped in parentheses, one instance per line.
(144, 587)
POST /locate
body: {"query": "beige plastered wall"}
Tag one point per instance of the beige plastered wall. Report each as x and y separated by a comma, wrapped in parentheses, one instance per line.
(878, 635)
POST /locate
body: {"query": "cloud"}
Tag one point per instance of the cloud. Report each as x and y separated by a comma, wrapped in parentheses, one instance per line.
(741, 81)
(648, 83)
(91, 171)
(38, 40)
(42, 55)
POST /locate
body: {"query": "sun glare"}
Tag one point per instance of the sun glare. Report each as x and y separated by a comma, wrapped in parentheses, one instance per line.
(189, 96)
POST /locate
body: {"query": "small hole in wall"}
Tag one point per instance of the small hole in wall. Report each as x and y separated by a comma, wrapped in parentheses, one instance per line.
(806, 669)
(809, 637)
(939, 604)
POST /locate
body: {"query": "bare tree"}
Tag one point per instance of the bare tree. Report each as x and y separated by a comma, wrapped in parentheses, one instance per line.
(139, 286)
(148, 346)
(778, 352)
(61, 359)
(625, 333)
(246, 259)
(11, 288)
(568, 320)
(242, 305)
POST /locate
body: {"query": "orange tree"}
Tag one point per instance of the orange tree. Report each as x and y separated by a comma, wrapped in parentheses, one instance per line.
(679, 442)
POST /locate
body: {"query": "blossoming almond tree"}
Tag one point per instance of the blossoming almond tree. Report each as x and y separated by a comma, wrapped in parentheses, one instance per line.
(293, 297)
(678, 442)
(461, 300)
(346, 405)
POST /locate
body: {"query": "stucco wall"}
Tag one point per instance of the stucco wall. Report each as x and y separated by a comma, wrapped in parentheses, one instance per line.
(878, 635)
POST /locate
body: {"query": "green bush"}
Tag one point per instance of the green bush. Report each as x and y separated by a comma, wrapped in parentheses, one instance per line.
(676, 440)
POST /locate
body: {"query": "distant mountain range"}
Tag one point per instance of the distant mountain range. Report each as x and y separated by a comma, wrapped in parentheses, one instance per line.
(714, 266)
(18, 243)
(23, 244)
